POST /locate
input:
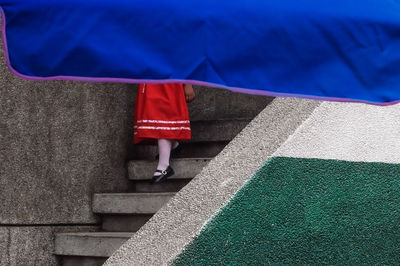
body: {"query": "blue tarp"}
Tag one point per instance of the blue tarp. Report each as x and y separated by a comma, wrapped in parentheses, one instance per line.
(332, 49)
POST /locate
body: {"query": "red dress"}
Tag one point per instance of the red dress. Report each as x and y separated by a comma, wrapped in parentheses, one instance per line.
(161, 113)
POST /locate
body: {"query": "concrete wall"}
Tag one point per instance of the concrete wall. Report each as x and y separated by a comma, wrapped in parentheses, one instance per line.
(220, 104)
(63, 140)
(31, 245)
(59, 143)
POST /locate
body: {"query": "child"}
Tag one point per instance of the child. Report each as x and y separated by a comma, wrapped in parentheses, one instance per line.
(162, 117)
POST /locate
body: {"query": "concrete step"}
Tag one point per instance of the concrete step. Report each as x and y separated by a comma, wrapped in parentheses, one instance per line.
(82, 261)
(90, 244)
(124, 223)
(214, 104)
(184, 168)
(129, 203)
(217, 130)
(210, 137)
(189, 150)
(171, 185)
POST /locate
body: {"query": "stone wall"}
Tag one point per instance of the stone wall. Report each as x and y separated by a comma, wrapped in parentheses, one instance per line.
(32, 244)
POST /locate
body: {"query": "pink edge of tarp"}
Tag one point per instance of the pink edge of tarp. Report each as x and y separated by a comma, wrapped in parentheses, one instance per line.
(194, 82)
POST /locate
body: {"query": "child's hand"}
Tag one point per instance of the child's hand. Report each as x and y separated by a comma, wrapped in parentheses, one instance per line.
(189, 92)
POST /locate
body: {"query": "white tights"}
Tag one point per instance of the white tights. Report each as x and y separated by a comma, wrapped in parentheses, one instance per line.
(164, 151)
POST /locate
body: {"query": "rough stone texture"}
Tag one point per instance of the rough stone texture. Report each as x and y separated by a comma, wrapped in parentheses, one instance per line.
(123, 223)
(184, 168)
(130, 203)
(59, 142)
(95, 244)
(220, 104)
(349, 132)
(217, 130)
(175, 225)
(82, 261)
(171, 185)
(31, 246)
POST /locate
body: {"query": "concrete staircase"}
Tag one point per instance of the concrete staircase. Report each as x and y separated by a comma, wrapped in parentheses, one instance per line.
(122, 214)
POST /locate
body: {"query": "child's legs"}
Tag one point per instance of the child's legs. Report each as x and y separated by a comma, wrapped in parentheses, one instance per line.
(164, 151)
(175, 144)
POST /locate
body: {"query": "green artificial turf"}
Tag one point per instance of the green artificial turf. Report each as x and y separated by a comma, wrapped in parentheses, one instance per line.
(306, 212)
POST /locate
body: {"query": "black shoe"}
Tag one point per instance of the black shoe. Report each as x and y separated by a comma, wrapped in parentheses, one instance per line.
(174, 152)
(164, 175)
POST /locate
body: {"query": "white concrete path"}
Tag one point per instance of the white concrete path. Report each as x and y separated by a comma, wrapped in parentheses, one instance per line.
(347, 131)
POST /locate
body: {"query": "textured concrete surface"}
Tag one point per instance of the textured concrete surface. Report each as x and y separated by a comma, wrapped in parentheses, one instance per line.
(171, 185)
(60, 141)
(184, 168)
(348, 131)
(123, 223)
(129, 203)
(96, 244)
(82, 261)
(181, 219)
(31, 246)
(217, 130)
(220, 104)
